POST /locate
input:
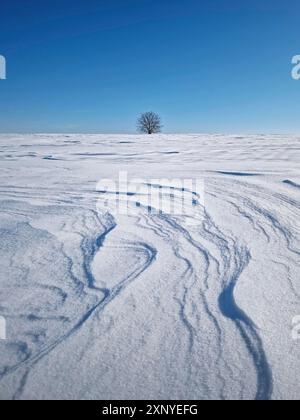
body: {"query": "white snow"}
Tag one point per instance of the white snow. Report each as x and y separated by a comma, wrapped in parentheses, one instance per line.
(149, 306)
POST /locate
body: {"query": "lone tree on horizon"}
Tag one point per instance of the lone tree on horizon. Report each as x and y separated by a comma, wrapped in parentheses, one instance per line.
(149, 123)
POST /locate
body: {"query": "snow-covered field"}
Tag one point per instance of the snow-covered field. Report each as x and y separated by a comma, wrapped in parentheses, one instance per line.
(146, 306)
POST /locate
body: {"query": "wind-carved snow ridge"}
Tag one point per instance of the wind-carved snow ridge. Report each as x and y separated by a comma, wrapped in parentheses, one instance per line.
(291, 183)
(188, 305)
(241, 258)
(89, 247)
(235, 260)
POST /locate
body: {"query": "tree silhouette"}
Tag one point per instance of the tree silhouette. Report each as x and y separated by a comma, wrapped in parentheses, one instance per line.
(149, 123)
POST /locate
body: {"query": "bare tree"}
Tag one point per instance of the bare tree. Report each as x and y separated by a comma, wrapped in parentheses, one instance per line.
(149, 123)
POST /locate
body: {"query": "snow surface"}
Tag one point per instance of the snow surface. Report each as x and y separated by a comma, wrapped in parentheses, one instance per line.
(147, 306)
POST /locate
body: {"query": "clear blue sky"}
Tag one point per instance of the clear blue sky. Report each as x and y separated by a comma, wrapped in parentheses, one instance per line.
(205, 66)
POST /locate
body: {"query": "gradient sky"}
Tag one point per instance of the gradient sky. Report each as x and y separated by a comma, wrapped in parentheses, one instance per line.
(205, 66)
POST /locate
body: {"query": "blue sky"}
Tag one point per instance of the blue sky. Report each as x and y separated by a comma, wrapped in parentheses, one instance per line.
(205, 66)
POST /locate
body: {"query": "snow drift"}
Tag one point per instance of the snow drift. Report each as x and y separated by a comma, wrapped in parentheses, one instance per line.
(147, 305)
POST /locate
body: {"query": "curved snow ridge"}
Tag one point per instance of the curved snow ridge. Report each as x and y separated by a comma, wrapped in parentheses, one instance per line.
(238, 174)
(89, 247)
(191, 286)
(291, 183)
(275, 216)
(231, 310)
(110, 295)
(257, 200)
(235, 260)
(273, 219)
(189, 290)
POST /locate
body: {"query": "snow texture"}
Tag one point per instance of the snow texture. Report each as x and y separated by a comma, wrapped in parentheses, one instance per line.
(148, 306)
